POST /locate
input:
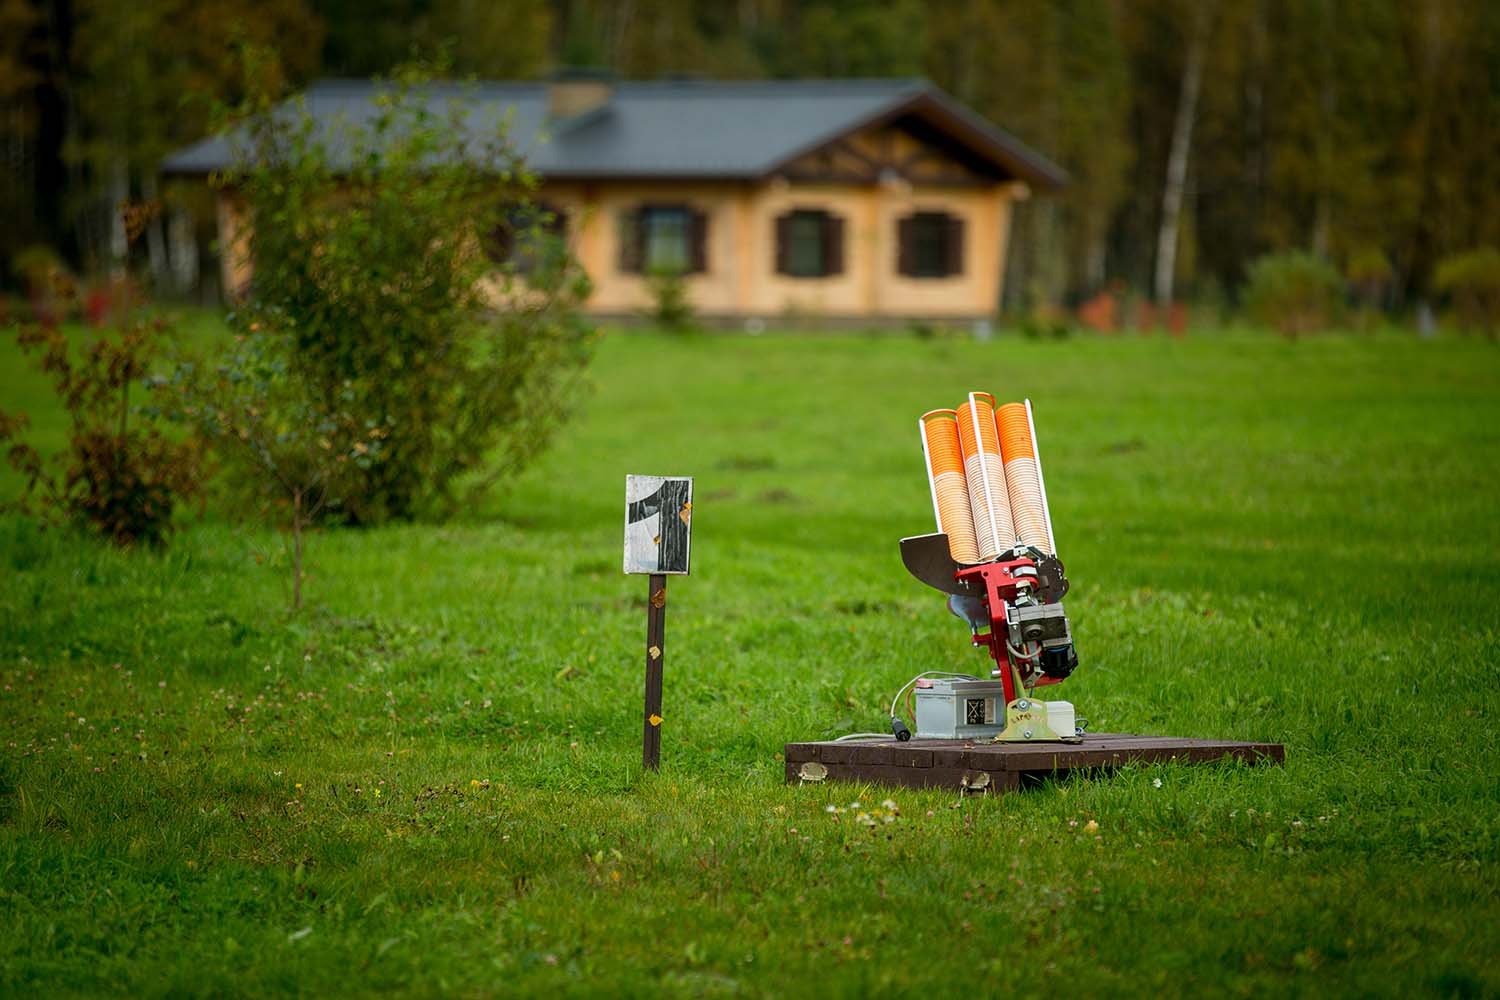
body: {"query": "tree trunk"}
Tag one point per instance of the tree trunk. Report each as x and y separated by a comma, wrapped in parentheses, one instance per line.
(182, 250)
(1177, 158)
(296, 550)
(156, 243)
(119, 239)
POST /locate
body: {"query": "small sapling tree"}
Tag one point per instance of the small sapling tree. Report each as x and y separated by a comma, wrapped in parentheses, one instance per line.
(288, 451)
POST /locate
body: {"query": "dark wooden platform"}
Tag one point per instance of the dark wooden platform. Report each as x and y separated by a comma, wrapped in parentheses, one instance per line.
(1003, 767)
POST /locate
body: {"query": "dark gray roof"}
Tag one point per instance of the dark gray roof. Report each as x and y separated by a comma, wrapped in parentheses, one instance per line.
(677, 129)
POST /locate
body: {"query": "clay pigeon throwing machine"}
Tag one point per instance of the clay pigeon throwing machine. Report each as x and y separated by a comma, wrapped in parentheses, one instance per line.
(994, 556)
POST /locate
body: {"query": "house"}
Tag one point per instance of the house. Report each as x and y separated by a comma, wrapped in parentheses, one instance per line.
(860, 200)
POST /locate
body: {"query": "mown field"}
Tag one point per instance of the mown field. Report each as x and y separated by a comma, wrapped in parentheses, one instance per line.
(430, 780)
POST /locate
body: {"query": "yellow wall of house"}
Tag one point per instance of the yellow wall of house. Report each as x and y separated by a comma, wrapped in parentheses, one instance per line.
(234, 245)
(741, 276)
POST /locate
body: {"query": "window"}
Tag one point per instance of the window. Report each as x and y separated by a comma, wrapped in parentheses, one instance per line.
(657, 239)
(930, 245)
(809, 244)
(530, 238)
(666, 240)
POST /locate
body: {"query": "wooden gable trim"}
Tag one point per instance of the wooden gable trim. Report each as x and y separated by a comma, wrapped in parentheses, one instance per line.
(980, 141)
(843, 161)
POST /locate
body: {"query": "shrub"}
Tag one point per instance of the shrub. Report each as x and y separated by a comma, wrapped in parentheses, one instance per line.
(1295, 292)
(671, 309)
(1472, 281)
(122, 473)
(368, 249)
(51, 289)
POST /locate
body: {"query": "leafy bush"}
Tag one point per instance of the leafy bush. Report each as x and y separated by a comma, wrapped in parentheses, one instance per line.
(1369, 271)
(51, 290)
(1472, 280)
(1296, 292)
(368, 249)
(671, 308)
(122, 474)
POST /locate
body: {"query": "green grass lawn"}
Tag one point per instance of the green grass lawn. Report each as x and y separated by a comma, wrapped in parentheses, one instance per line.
(430, 779)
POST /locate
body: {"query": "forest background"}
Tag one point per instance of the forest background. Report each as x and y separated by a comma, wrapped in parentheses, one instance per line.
(1199, 135)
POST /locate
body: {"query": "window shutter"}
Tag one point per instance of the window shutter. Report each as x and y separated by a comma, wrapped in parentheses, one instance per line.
(833, 244)
(632, 241)
(784, 243)
(955, 241)
(697, 242)
(905, 238)
(554, 219)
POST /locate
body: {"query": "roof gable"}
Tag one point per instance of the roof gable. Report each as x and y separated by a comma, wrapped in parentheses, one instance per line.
(678, 129)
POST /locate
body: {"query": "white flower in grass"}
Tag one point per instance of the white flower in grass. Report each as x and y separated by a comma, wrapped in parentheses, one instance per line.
(1155, 782)
(830, 808)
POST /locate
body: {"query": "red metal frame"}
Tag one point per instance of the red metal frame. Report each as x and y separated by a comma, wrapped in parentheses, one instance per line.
(998, 586)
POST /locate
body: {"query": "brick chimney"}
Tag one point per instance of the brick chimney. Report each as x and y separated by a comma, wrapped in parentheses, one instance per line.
(572, 92)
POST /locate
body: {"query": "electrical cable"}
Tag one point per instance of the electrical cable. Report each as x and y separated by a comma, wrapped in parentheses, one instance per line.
(1020, 655)
(927, 673)
(896, 700)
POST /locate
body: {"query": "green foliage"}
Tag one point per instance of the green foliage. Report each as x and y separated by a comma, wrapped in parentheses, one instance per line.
(1294, 292)
(289, 447)
(122, 474)
(1337, 125)
(1472, 281)
(1226, 510)
(1368, 269)
(38, 267)
(369, 266)
(671, 306)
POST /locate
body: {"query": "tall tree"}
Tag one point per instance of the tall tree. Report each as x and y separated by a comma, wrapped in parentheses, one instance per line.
(146, 73)
(1055, 73)
(1182, 143)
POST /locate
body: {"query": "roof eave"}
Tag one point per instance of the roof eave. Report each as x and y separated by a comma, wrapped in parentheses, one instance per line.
(1027, 164)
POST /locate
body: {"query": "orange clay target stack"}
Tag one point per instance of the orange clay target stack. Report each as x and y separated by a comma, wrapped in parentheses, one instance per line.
(994, 556)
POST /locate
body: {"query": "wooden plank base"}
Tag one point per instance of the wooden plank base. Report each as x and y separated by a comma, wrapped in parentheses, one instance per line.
(961, 763)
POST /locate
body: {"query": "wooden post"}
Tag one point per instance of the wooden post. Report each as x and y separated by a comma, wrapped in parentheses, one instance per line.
(656, 639)
(658, 536)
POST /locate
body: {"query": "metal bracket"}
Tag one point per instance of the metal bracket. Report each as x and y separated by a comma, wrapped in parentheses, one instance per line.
(1026, 722)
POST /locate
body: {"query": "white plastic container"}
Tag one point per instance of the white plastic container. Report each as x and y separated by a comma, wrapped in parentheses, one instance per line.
(1060, 717)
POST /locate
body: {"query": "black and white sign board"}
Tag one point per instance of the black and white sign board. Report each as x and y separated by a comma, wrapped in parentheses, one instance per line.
(658, 536)
(658, 524)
